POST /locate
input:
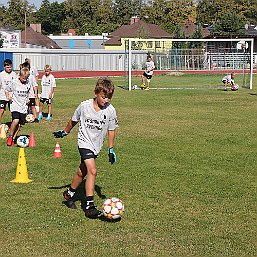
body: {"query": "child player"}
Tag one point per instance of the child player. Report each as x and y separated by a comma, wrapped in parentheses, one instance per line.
(48, 84)
(229, 80)
(97, 117)
(18, 93)
(148, 73)
(33, 97)
(6, 77)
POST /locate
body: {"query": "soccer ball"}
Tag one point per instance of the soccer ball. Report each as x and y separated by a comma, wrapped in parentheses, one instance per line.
(113, 208)
(30, 118)
(235, 87)
(135, 87)
(22, 141)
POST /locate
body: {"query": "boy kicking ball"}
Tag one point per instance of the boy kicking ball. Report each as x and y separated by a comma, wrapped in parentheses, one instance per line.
(97, 117)
(148, 73)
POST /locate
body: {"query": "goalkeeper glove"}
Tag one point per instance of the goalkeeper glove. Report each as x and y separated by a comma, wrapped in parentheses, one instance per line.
(112, 155)
(60, 133)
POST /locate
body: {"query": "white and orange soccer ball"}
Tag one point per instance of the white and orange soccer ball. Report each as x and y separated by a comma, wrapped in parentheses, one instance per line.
(30, 118)
(113, 208)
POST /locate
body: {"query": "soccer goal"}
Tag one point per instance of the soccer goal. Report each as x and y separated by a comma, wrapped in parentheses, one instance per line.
(176, 57)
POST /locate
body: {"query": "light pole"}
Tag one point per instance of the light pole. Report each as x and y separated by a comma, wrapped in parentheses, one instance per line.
(25, 31)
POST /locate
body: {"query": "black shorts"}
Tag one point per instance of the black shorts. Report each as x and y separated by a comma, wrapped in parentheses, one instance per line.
(86, 154)
(3, 104)
(147, 76)
(32, 102)
(47, 100)
(19, 116)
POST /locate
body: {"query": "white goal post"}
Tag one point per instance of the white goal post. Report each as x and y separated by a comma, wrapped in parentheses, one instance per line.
(134, 46)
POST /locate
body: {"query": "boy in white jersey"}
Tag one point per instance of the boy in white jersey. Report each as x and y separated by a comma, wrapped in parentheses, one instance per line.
(97, 117)
(18, 93)
(48, 84)
(148, 73)
(229, 80)
(6, 77)
(32, 98)
(34, 72)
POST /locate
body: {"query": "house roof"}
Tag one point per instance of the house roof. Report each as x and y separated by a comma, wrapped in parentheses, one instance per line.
(36, 38)
(139, 29)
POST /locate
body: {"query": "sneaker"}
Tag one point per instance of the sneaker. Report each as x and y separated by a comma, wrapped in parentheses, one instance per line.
(48, 117)
(92, 212)
(40, 117)
(67, 196)
(10, 141)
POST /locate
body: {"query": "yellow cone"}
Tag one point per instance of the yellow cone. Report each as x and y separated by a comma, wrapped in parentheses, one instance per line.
(2, 132)
(21, 171)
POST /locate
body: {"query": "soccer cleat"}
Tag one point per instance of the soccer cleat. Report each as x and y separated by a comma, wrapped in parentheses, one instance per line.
(48, 117)
(10, 141)
(142, 86)
(92, 212)
(36, 120)
(67, 196)
(40, 117)
(147, 88)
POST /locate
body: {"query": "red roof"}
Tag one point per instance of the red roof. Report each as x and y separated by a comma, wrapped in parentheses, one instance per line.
(36, 38)
(139, 29)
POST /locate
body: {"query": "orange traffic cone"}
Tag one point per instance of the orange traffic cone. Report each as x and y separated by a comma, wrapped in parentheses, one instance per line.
(2, 132)
(21, 171)
(32, 142)
(57, 151)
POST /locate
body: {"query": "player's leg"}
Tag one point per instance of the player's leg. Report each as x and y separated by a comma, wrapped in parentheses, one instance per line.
(69, 194)
(90, 210)
(49, 106)
(41, 107)
(13, 128)
(32, 104)
(143, 77)
(22, 121)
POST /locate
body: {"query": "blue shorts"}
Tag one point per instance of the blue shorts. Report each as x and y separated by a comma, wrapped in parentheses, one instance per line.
(86, 154)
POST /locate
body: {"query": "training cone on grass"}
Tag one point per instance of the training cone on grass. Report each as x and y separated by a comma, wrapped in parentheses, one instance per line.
(21, 171)
(2, 132)
(57, 151)
(32, 141)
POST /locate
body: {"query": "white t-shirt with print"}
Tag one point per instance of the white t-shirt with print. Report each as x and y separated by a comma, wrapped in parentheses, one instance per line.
(94, 125)
(47, 83)
(5, 80)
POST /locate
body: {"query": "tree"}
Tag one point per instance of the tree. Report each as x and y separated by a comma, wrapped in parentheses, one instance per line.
(15, 13)
(231, 24)
(168, 14)
(51, 17)
(210, 11)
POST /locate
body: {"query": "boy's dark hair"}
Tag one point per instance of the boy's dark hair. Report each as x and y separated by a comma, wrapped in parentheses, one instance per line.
(25, 65)
(106, 86)
(7, 62)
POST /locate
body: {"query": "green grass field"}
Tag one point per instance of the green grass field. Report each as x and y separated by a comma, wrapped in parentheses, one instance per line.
(186, 171)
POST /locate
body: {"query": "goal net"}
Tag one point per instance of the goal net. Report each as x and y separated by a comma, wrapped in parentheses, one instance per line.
(208, 59)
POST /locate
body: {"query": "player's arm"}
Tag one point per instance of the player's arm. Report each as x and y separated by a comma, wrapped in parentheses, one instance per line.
(66, 131)
(111, 153)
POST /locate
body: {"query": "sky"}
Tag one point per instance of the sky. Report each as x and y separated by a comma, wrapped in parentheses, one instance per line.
(37, 3)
